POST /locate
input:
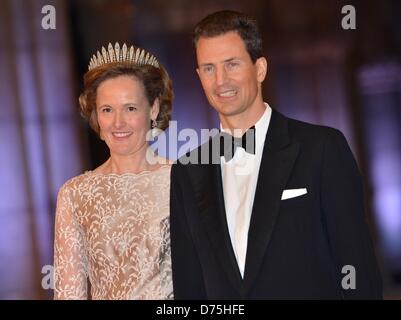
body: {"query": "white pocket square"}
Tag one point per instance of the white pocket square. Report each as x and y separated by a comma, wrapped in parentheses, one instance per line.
(292, 193)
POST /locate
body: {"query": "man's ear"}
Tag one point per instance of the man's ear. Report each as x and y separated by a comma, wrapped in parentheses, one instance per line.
(154, 111)
(261, 69)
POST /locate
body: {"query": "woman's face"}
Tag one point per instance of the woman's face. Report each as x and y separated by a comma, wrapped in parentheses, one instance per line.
(124, 114)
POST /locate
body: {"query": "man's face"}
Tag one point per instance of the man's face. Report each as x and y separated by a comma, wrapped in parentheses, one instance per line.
(231, 81)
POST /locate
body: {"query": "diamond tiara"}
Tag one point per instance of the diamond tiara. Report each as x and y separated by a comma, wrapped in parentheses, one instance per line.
(136, 56)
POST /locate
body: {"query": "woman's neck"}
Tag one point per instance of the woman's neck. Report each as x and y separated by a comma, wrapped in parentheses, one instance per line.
(142, 160)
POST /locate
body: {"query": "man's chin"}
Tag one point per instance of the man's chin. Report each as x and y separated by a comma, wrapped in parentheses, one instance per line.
(229, 112)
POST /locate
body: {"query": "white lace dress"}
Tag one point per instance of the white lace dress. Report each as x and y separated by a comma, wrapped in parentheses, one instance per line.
(114, 230)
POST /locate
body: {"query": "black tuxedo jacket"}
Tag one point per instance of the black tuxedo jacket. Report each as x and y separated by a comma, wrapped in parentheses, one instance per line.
(297, 248)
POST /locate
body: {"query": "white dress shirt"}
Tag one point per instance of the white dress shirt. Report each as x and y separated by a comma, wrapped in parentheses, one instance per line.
(239, 177)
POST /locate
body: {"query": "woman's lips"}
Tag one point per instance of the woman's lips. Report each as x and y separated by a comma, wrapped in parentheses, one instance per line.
(121, 134)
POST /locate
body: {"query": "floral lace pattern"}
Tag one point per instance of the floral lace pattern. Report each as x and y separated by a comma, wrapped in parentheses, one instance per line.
(114, 230)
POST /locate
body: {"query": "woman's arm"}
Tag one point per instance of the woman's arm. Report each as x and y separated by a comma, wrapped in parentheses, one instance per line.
(70, 263)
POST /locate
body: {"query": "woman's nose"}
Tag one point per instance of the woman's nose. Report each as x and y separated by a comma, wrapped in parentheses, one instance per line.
(119, 120)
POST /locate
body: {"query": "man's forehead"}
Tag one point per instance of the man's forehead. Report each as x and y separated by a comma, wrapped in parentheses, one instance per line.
(225, 38)
(220, 48)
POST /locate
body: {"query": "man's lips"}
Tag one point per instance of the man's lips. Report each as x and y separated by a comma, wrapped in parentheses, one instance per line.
(227, 93)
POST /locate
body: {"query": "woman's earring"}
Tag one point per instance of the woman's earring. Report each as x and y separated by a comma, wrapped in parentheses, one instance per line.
(155, 130)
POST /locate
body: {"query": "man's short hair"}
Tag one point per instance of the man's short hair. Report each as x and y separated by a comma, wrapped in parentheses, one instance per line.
(221, 22)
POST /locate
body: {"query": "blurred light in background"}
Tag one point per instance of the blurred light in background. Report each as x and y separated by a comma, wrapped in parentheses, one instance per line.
(39, 143)
(380, 88)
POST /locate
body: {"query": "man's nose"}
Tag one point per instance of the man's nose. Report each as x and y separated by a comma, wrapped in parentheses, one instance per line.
(221, 76)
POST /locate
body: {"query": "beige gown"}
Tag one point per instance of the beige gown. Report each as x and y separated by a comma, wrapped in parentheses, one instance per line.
(114, 230)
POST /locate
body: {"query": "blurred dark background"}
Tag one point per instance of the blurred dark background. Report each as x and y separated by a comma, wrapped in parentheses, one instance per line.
(318, 72)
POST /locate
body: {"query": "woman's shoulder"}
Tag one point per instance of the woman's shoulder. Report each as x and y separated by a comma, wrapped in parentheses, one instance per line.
(161, 167)
(75, 182)
(162, 164)
(164, 161)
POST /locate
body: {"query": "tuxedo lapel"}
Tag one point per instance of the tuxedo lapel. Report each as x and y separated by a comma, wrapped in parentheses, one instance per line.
(278, 158)
(207, 184)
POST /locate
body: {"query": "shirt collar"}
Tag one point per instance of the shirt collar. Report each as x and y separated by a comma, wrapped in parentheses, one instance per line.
(261, 127)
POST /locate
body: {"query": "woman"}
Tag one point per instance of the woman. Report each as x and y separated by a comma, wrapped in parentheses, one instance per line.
(112, 227)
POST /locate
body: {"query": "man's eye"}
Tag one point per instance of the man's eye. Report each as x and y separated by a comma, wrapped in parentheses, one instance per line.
(131, 108)
(208, 69)
(232, 65)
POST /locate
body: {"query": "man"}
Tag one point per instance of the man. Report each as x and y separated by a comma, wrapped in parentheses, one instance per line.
(283, 220)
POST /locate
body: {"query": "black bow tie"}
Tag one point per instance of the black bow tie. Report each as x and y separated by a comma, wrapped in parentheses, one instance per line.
(229, 144)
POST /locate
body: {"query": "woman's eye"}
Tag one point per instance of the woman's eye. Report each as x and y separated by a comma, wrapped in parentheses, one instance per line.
(106, 109)
(131, 108)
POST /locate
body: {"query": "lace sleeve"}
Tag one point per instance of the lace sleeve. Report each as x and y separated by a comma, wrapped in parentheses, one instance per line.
(165, 261)
(70, 267)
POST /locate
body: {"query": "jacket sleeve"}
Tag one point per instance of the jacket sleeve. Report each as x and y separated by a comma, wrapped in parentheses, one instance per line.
(187, 272)
(345, 222)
